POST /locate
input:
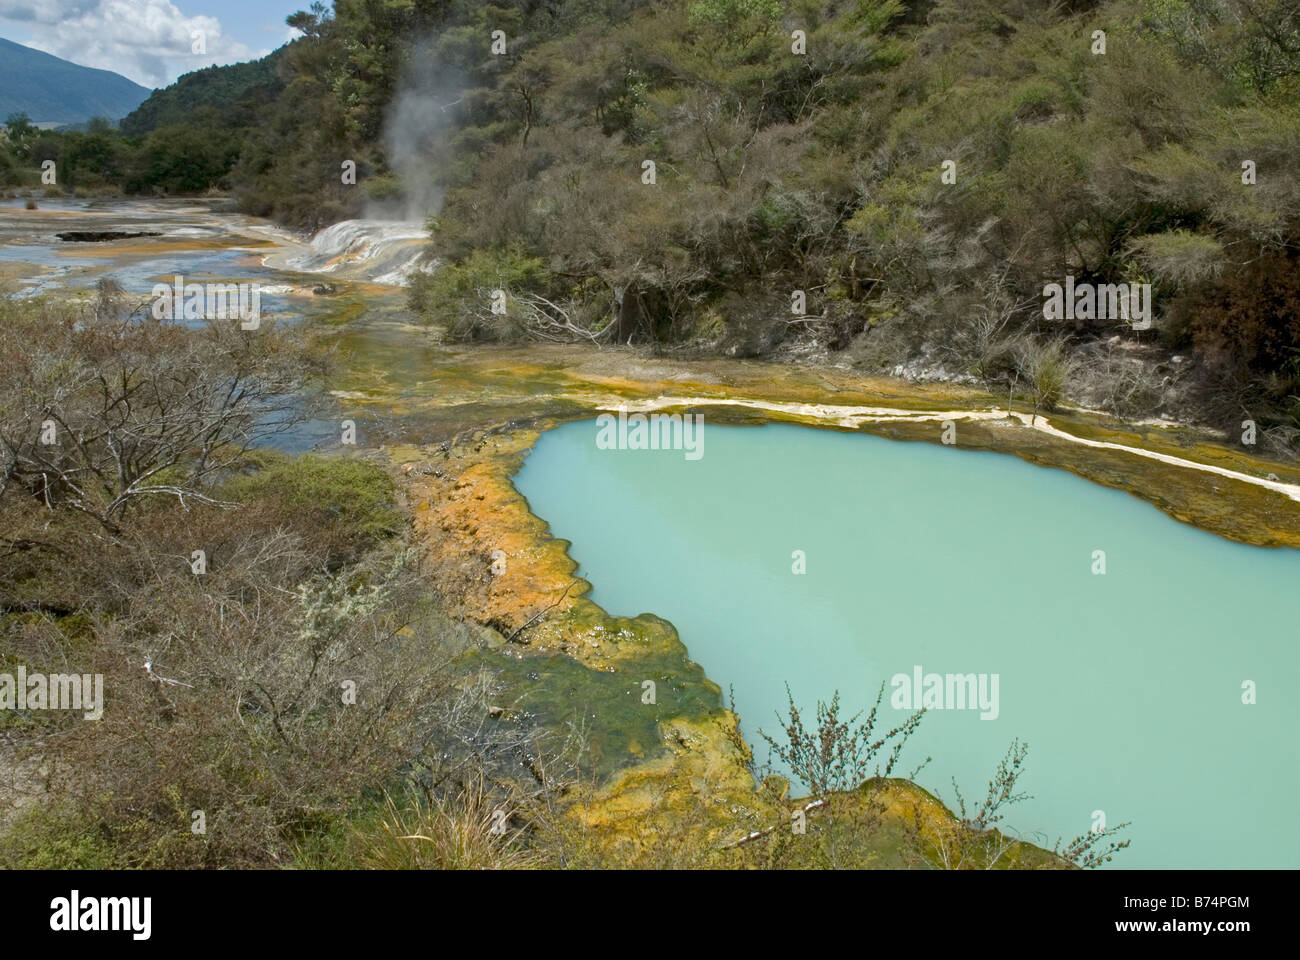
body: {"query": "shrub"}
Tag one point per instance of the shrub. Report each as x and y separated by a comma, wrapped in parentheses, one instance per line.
(346, 505)
(458, 297)
(1048, 368)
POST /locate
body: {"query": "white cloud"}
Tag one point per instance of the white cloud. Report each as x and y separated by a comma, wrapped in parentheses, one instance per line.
(149, 41)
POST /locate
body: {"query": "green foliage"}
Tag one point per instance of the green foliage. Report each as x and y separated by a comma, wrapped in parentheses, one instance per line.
(457, 297)
(1255, 42)
(1048, 367)
(353, 500)
(213, 98)
(1181, 257)
(55, 837)
(738, 20)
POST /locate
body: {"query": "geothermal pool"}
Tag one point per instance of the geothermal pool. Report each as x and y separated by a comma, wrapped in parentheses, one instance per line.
(920, 559)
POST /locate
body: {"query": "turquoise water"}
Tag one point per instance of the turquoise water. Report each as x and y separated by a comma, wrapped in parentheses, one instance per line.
(1127, 686)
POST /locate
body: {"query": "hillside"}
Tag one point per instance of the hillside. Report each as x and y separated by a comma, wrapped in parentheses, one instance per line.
(51, 90)
(229, 95)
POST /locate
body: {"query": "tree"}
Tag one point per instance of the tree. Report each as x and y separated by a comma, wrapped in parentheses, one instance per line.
(101, 410)
(20, 133)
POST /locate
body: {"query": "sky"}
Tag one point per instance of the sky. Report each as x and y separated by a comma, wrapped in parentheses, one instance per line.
(149, 41)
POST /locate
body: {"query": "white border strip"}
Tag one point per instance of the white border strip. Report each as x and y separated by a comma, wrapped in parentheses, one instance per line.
(848, 416)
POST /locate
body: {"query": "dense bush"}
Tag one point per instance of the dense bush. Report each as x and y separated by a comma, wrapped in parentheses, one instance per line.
(271, 654)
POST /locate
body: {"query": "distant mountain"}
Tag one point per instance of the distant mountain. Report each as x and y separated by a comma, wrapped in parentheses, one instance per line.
(234, 95)
(50, 90)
